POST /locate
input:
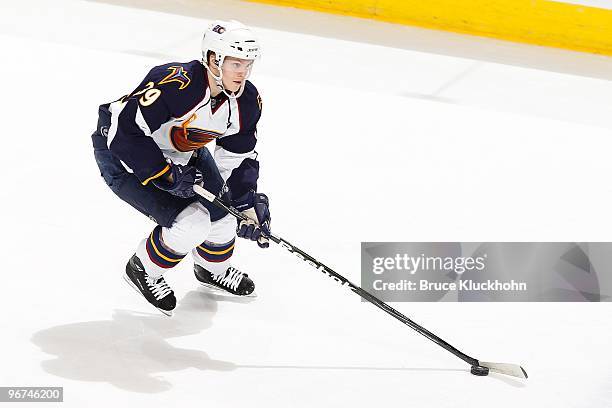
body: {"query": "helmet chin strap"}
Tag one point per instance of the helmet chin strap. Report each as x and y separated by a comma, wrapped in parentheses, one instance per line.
(219, 79)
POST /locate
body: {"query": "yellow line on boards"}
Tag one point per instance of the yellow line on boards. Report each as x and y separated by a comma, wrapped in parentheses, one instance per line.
(541, 22)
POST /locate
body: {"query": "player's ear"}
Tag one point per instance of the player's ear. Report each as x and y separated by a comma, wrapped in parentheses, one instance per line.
(211, 59)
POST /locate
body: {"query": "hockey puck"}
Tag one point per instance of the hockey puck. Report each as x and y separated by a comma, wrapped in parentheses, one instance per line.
(479, 370)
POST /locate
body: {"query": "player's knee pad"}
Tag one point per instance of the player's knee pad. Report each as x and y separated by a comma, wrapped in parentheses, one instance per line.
(189, 229)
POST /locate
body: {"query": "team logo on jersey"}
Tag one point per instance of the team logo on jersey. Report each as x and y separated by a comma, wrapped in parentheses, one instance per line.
(186, 139)
(259, 103)
(177, 74)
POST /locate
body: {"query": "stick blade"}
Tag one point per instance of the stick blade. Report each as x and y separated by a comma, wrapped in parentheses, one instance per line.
(514, 370)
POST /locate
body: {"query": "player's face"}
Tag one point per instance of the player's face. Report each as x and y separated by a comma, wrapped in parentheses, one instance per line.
(235, 72)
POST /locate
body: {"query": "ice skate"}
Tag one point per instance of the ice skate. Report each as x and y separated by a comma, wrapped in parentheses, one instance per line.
(231, 282)
(155, 290)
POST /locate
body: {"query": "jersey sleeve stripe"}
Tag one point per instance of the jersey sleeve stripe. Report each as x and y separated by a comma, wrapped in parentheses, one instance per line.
(161, 173)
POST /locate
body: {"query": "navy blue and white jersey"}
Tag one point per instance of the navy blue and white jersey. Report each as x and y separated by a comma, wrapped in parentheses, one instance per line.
(171, 114)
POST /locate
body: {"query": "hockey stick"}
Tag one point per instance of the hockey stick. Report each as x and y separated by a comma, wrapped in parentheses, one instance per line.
(480, 368)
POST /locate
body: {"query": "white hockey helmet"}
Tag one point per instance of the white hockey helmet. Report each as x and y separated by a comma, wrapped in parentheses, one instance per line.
(228, 39)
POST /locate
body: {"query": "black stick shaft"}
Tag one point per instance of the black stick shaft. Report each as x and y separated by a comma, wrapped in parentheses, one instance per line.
(345, 282)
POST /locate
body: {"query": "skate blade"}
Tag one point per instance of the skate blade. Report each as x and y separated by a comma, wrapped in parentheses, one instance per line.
(129, 282)
(217, 291)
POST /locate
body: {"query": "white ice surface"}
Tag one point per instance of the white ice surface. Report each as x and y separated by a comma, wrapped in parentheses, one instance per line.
(358, 142)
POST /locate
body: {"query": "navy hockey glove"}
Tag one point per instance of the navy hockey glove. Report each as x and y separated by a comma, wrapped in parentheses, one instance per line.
(258, 225)
(179, 180)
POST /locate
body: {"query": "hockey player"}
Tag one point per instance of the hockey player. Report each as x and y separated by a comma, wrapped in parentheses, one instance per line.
(150, 148)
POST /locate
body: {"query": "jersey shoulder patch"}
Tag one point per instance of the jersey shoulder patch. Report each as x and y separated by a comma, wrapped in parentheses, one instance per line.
(180, 85)
(177, 74)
